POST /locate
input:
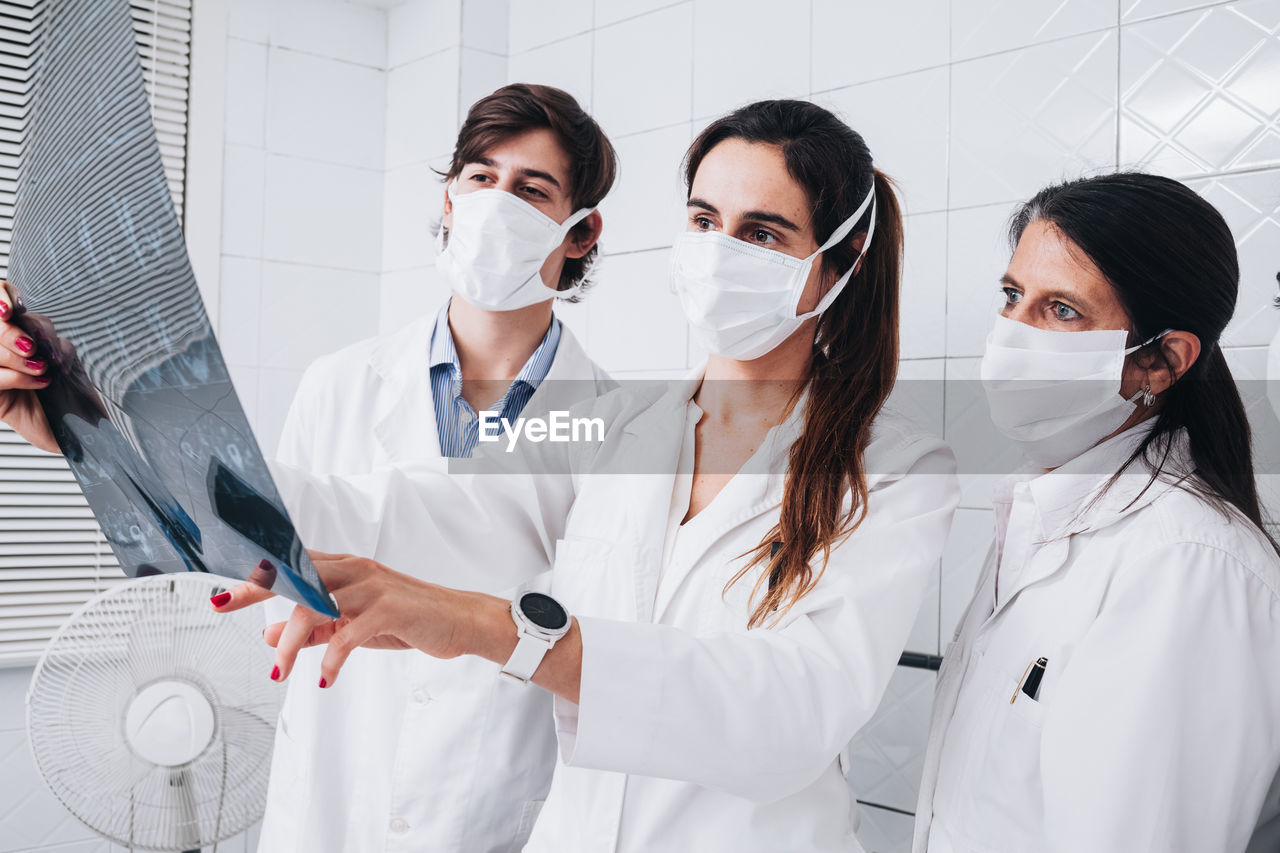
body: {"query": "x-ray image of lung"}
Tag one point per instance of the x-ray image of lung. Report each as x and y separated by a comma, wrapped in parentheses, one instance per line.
(141, 402)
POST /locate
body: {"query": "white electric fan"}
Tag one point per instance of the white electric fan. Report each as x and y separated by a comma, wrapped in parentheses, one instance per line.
(151, 717)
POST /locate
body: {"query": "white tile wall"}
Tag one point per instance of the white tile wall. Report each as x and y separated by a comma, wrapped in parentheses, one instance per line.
(565, 64)
(636, 323)
(626, 99)
(909, 145)
(320, 108)
(422, 108)
(1199, 90)
(857, 42)
(533, 24)
(421, 28)
(1027, 117)
(745, 51)
(982, 27)
(646, 208)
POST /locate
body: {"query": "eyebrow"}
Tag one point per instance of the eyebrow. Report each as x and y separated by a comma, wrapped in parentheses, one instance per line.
(524, 171)
(752, 215)
(1053, 295)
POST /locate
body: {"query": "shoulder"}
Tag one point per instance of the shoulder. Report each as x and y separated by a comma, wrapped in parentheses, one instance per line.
(1186, 523)
(899, 446)
(573, 363)
(369, 359)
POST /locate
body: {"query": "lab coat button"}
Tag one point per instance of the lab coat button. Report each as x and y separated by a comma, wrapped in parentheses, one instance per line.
(399, 826)
(421, 697)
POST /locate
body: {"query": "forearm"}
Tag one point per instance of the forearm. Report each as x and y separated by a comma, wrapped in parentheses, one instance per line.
(491, 634)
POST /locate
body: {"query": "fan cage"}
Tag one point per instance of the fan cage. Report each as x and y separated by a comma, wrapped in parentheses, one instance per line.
(152, 629)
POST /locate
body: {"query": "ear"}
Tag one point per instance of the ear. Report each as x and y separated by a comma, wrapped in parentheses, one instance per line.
(584, 235)
(859, 240)
(1179, 351)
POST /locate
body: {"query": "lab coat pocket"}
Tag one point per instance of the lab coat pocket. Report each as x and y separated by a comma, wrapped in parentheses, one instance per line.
(1008, 780)
(583, 579)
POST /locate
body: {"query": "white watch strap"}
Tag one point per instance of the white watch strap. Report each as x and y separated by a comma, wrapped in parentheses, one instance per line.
(524, 661)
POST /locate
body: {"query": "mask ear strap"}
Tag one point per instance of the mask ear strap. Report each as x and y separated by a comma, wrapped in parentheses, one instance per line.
(574, 219)
(836, 288)
(847, 226)
(1147, 342)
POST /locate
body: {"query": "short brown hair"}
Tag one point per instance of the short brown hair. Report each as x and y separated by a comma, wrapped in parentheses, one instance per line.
(521, 107)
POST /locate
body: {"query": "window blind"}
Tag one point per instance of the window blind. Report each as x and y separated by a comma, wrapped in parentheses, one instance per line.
(53, 556)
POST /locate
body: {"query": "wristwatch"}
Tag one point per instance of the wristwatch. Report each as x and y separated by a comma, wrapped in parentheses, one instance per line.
(540, 621)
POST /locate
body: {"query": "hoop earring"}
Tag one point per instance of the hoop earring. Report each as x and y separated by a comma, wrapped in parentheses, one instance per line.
(1147, 397)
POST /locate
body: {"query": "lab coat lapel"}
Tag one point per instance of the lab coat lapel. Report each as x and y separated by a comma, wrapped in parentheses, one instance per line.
(1068, 503)
(756, 489)
(572, 378)
(651, 443)
(404, 418)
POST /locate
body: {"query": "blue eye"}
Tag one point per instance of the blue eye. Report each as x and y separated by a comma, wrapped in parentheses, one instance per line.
(1064, 312)
(1012, 296)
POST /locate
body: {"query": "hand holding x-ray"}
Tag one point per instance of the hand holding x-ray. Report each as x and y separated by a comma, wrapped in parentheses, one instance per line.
(23, 371)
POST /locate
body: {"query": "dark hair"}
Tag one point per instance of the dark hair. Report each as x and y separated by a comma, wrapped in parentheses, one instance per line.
(520, 107)
(855, 356)
(1171, 259)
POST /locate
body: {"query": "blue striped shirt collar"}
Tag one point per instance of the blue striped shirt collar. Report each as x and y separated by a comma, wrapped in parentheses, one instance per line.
(443, 353)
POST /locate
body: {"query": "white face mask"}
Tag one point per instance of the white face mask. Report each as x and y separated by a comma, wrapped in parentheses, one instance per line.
(1056, 394)
(496, 248)
(741, 299)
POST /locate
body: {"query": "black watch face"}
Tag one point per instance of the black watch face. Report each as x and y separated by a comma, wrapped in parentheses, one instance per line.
(543, 611)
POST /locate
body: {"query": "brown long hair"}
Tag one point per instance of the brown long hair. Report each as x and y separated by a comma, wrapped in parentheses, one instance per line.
(520, 107)
(855, 350)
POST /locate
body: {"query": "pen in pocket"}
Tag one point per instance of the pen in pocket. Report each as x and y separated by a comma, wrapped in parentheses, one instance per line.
(1030, 681)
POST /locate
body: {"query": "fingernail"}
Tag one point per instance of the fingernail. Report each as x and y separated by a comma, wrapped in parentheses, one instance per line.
(275, 671)
(220, 599)
(43, 380)
(35, 364)
(323, 682)
(265, 565)
(25, 344)
(4, 311)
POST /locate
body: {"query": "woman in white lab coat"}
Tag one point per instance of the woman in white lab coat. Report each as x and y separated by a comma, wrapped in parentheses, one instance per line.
(1115, 682)
(742, 555)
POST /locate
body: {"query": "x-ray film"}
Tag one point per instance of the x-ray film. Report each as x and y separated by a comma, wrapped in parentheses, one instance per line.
(141, 402)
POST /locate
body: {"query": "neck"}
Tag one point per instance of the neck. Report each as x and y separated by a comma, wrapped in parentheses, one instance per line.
(764, 386)
(496, 344)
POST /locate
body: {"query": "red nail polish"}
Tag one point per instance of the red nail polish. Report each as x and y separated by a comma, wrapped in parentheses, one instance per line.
(323, 682)
(25, 344)
(275, 673)
(4, 311)
(34, 364)
(266, 565)
(43, 380)
(220, 599)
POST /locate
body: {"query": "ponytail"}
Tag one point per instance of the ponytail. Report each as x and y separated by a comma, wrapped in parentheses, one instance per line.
(855, 362)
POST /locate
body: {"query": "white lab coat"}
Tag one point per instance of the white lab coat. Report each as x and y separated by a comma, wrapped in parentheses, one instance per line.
(692, 733)
(1157, 723)
(403, 752)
